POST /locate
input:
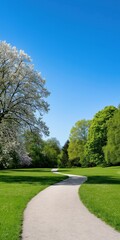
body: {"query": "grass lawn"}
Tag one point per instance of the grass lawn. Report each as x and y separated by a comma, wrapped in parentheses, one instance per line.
(101, 192)
(17, 187)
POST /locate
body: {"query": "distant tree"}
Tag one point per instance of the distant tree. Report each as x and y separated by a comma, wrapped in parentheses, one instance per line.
(43, 153)
(34, 146)
(112, 149)
(22, 89)
(63, 158)
(97, 137)
(51, 151)
(78, 139)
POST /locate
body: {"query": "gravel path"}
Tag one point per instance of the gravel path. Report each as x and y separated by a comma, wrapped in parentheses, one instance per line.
(58, 214)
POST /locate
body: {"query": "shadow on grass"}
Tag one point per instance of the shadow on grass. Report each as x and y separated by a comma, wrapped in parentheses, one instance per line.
(102, 180)
(32, 170)
(45, 180)
(42, 180)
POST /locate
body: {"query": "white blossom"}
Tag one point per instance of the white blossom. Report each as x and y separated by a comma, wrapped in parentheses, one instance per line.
(22, 89)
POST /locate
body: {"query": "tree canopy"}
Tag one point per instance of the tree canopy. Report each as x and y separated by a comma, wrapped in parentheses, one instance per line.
(51, 151)
(112, 149)
(43, 153)
(78, 139)
(22, 104)
(97, 136)
(22, 89)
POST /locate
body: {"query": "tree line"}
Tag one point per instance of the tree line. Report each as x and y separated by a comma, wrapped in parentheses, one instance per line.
(91, 143)
(22, 106)
(95, 142)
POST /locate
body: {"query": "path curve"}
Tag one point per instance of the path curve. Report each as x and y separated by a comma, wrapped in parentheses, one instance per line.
(58, 214)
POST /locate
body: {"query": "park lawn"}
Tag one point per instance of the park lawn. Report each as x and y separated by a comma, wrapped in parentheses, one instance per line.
(101, 192)
(17, 187)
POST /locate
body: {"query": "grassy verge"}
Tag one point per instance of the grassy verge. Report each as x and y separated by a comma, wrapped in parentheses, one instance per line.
(101, 192)
(17, 187)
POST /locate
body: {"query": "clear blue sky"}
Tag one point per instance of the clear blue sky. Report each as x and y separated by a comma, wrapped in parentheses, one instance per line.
(76, 46)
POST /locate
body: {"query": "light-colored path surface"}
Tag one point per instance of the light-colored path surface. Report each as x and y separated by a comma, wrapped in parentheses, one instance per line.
(58, 214)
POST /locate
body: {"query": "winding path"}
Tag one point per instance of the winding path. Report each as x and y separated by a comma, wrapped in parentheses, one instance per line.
(58, 214)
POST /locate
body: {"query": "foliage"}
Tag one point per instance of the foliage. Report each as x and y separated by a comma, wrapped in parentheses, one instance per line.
(112, 149)
(63, 158)
(43, 153)
(34, 146)
(22, 89)
(17, 187)
(22, 100)
(101, 192)
(78, 139)
(51, 151)
(97, 136)
(12, 152)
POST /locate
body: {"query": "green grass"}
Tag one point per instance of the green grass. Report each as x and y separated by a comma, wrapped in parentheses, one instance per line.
(17, 187)
(101, 192)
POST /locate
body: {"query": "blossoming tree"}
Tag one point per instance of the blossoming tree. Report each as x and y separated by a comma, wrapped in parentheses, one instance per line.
(22, 102)
(22, 89)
